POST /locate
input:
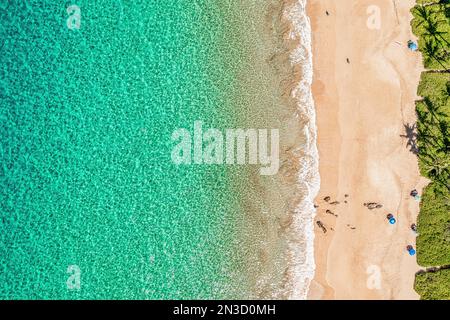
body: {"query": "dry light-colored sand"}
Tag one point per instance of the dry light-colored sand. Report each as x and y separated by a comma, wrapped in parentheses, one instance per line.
(362, 108)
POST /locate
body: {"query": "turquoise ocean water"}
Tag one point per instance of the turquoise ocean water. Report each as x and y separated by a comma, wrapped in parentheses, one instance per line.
(86, 177)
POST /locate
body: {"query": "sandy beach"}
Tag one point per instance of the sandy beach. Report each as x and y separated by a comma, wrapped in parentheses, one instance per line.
(365, 82)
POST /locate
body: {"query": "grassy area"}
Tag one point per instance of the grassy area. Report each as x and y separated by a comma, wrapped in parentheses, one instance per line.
(431, 24)
(433, 242)
(434, 285)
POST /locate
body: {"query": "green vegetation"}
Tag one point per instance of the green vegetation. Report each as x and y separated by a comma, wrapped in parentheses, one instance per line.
(431, 24)
(433, 242)
(433, 113)
(433, 285)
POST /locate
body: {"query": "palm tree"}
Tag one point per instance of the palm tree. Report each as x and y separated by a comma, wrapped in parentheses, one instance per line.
(432, 30)
(433, 109)
(436, 167)
(426, 136)
(423, 13)
(431, 51)
(426, 141)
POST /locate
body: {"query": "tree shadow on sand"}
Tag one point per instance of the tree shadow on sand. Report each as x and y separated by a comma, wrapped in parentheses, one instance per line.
(411, 136)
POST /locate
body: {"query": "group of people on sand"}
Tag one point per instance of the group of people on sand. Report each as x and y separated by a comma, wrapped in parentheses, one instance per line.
(371, 206)
(390, 217)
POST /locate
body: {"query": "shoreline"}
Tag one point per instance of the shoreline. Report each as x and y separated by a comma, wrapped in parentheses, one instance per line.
(362, 105)
(302, 264)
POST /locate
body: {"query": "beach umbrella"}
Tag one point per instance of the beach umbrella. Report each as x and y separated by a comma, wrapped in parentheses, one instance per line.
(412, 45)
(391, 218)
(415, 195)
(411, 250)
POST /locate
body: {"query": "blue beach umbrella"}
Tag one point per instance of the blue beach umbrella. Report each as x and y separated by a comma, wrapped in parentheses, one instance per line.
(411, 250)
(412, 45)
(391, 218)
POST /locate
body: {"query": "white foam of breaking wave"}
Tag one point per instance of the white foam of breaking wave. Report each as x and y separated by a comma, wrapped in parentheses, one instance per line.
(302, 264)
